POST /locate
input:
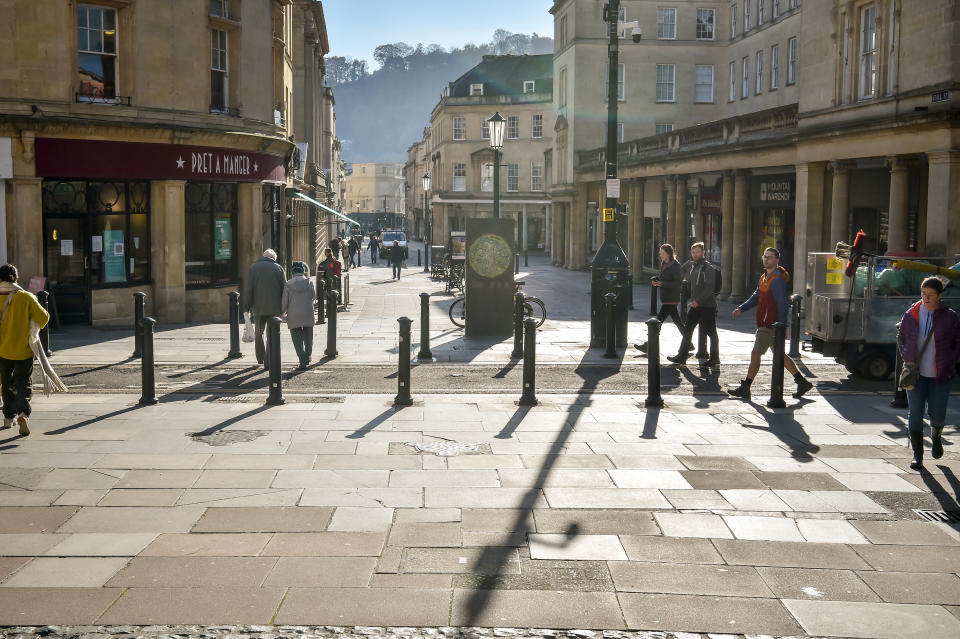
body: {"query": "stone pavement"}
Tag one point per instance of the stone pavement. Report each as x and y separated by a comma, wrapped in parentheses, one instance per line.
(709, 516)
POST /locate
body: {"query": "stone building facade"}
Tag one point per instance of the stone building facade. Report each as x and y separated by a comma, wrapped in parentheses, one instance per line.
(152, 148)
(375, 195)
(818, 118)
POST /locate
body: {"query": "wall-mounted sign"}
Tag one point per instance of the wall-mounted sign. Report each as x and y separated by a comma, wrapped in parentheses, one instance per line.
(613, 187)
(772, 191)
(608, 215)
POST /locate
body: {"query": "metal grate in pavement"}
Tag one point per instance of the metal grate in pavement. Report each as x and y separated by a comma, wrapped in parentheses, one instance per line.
(249, 397)
(448, 449)
(227, 437)
(939, 516)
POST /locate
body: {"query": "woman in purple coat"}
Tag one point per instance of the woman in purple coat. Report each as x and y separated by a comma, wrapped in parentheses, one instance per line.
(937, 366)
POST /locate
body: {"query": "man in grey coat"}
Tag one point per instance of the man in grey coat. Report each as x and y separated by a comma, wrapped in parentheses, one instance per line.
(703, 306)
(262, 293)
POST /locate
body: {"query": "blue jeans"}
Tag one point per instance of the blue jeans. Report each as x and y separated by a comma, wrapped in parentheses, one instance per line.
(930, 395)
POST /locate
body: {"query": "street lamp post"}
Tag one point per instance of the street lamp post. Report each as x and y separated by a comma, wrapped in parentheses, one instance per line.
(426, 221)
(497, 126)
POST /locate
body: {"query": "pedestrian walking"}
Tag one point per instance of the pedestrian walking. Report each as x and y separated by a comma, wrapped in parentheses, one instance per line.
(396, 258)
(335, 246)
(18, 311)
(929, 342)
(702, 309)
(669, 282)
(772, 304)
(330, 269)
(374, 248)
(263, 292)
(353, 247)
(297, 303)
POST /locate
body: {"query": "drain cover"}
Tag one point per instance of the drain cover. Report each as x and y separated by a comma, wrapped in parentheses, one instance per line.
(227, 437)
(939, 516)
(727, 418)
(446, 449)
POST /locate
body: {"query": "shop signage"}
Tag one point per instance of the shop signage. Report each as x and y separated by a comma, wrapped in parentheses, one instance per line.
(145, 161)
(222, 239)
(711, 203)
(773, 191)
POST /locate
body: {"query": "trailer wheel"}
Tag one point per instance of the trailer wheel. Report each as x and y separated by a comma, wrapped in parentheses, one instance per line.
(875, 366)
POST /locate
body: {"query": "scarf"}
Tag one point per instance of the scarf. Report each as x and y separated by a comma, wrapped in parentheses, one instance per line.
(48, 377)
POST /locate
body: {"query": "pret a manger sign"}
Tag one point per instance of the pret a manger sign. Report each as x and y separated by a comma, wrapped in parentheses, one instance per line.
(232, 164)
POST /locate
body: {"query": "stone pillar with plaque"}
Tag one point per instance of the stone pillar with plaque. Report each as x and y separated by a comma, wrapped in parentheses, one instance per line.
(490, 245)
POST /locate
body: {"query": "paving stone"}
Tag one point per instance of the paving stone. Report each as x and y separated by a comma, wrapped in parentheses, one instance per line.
(264, 519)
(208, 606)
(829, 531)
(425, 582)
(480, 462)
(235, 479)
(207, 545)
(707, 614)
(763, 528)
(595, 522)
(425, 535)
(81, 478)
(485, 538)
(717, 479)
(31, 519)
(544, 574)
(688, 579)
(9, 565)
(436, 497)
(99, 544)
(25, 478)
(754, 500)
(577, 477)
(325, 544)
(743, 552)
(860, 465)
(798, 481)
(804, 501)
(706, 462)
(141, 497)
(41, 606)
(696, 500)
(670, 550)
(900, 558)
(627, 478)
(647, 462)
(199, 572)
(122, 519)
(849, 501)
(265, 462)
(912, 587)
(577, 547)
(27, 544)
(876, 482)
(150, 461)
(535, 608)
(440, 515)
(819, 585)
(80, 498)
(604, 498)
(479, 561)
(29, 497)
(366, 607)
(322, 572)
(692, 525)
(537, 462)
(905, 533)
(782, 464)
(332, 478)
(367, 462)
(873, 620)
(351, 519)
(158, 479)
(70, 572)
(363, 497)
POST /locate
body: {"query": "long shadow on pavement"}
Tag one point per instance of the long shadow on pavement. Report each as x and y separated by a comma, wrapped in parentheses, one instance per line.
(361, 432)
(791, 432)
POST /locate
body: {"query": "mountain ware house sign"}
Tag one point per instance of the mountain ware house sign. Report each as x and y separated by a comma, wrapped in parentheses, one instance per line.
(144, 161)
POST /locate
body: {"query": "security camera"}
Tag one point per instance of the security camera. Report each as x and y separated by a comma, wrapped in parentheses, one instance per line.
(636, 33)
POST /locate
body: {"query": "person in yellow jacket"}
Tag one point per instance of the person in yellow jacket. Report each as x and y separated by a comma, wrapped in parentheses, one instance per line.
(17, 309)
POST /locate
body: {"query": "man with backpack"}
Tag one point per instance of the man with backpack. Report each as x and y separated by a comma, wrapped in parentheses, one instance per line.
(702, 307)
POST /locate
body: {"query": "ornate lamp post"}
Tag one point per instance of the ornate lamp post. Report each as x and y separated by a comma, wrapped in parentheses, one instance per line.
(498, 126)
(427, 221)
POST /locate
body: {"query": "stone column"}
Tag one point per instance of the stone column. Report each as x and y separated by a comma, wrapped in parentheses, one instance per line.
(628, 196)
(943, 201)
(27, 229)
(840, 203)
(807, 219)
(167, 236)
(738, 283)
(636, 261)
(548, 228)
(899, 203)
(681, 221)
(578, 227)
(524, 240)
(670, 231)
(726, 238)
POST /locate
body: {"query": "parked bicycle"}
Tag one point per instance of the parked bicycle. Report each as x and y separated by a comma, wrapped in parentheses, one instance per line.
(532, 307)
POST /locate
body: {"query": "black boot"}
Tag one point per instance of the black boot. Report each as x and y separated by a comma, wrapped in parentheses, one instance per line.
(916, 442)
(937, 450)
(743, 390)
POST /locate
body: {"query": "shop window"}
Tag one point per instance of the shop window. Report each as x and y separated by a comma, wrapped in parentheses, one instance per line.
(96, 53)
(270, 217)
(210, 230)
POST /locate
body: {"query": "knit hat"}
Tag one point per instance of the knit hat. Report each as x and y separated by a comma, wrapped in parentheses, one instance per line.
(270, 254)
(299, 268)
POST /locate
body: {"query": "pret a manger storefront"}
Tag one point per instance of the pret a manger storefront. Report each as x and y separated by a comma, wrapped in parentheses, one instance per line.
(180, 223)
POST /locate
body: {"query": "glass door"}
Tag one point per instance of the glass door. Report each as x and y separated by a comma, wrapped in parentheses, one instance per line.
(68, 267)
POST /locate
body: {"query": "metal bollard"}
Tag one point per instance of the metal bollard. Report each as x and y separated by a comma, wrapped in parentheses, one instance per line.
(529, 395)
(425, 356)
(517, 326)
(609, 301)
(630, 296)
(526, 255)
(516, 263)
(795, 302)
(899, 394)
(426, 258)
(403, 375)
(234, 301)
(346, 289)
(654, 399)
(321, 296)
(653, 298)
(148, 392)
(418, 258)
(275, 398)
(138, 304)
(332, 299)
(44, 298)
(776, 380)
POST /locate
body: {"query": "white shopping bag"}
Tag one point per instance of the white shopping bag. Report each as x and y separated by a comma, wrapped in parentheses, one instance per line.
(248, 330)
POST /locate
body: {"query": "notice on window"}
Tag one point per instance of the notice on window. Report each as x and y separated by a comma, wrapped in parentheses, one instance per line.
(97, 244)
(136, 243)
(834, 278)
(66, 247)
(222, 239)
(114, 264)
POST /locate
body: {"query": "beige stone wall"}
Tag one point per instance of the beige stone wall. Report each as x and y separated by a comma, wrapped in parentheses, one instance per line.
(113, 307)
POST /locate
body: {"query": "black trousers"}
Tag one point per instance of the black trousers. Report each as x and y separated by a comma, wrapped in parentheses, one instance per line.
(396, 270)
(670, 310)
(706, 318)
(15, 378)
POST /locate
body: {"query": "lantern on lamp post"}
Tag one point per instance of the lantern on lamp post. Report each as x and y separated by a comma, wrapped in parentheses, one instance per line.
(498, 126)
(428, 236)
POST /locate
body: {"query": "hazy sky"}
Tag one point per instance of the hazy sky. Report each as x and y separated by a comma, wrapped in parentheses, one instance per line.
(355, 28)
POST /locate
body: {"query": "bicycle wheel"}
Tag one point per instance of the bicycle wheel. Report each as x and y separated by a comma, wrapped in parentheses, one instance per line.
(535, 308)
(458, 312)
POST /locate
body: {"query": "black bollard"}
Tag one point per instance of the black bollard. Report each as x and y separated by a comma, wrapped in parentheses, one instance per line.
(426, 258)
(776, 380)
(899, 394)
(418, 258)
(516, 263)
(44, 298)
(609, 302)
(526, 261)
(425, 356)
(403, 375)
(275, 398)
(529, 395)
(653, 298)
(321, 296)
(630, 296)
(654, 398)
(332, 299)
(517, 326)
(138, 304)
(148, 392)
(796, 301)
(234, 301)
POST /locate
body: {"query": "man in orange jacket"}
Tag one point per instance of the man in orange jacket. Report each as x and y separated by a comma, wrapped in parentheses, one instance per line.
(17, 309)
